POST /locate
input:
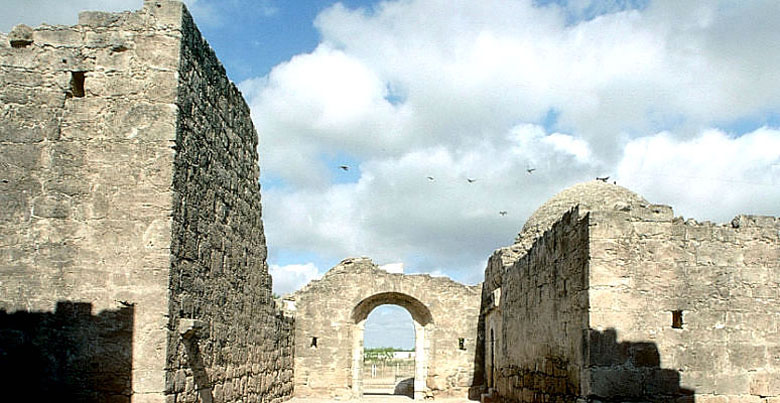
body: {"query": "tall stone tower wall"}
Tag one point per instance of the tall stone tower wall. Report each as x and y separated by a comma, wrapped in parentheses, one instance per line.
(219, 276)
(130, 227)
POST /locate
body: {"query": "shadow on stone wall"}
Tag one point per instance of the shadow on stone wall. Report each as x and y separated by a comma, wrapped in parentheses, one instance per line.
(69, 355)
(478, 381)
(630, 372)
(201, 377)
(405, 387)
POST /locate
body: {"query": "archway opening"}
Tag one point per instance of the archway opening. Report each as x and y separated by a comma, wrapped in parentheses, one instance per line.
(389, 352)
(423, 326)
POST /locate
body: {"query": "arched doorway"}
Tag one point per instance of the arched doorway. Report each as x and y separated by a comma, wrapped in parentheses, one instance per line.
(423, 326)
(388, 352)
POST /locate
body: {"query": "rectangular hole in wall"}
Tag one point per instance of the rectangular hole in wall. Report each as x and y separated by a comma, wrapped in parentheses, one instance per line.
(313, 342)
(77, 84)
(461, 343)
(677, 319)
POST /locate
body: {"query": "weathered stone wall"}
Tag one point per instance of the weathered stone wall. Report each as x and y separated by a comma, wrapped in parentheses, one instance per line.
(219, 276)
(490, 323)
(332, 309)
(85, 173)
(62, 356)
(544, 310)
(670, 310)
(128, 178)
(723, 281)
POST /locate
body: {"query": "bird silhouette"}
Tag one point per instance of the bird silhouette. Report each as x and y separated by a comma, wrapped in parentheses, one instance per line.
(530, 170)
(344, 167)
(430, 178)
(502, 212)
(471, 180)
(603, 179)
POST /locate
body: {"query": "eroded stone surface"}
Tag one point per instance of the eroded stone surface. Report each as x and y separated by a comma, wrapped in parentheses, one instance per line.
(334, 309)
(620, 300)
(20, 36)
(128, 181)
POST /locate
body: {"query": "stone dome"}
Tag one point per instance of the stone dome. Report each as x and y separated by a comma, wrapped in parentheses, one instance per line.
(593, 195)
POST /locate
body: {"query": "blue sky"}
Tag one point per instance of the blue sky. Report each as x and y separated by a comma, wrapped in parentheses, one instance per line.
(250, 38)
(389, 326)
(678, 101)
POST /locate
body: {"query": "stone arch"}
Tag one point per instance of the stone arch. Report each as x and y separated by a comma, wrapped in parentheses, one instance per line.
(423, 327)
(331, 312)
(420, 313)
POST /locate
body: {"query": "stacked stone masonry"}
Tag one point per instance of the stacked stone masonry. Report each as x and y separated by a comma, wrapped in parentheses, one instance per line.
(133, 259)
(334, 309)
(545, 295)
(128, 180)
(618, 300)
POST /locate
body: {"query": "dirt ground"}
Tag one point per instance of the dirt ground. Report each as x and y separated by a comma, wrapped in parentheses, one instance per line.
(379, 398)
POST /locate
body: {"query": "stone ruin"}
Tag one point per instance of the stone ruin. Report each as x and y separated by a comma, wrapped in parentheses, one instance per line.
(133, 260)
(606, 297)
(331, 314)
(131, 208)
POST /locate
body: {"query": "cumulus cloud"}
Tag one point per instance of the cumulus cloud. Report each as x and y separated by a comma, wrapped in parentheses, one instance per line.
(448, 223)
(708, 176)
(477, 96)
(289, 278)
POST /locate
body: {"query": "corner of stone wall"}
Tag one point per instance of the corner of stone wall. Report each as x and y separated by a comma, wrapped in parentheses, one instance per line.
(228, 341)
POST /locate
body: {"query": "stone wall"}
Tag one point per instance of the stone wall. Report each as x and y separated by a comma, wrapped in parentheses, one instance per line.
(538, 337)
(219, 277)
(702, 297)
(665, 309)
(128, 179)
(334, 308)
(62, 356)
(87, 121)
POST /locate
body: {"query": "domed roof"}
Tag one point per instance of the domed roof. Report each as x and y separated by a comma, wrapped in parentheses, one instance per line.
(593, 195)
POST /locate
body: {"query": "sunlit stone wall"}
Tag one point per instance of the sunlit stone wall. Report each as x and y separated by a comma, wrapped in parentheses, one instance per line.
(130, 206)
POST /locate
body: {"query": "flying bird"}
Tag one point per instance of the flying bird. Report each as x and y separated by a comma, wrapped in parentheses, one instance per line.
(502, 212)
(430, 178)
(530, 170)
(603, 179)
(471, 180)
(344, 167)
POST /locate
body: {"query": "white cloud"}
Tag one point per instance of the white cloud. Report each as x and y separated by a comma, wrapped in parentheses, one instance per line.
(410, 91)
(289, 278)
(393, 267)
(395, 213)
(711, 176)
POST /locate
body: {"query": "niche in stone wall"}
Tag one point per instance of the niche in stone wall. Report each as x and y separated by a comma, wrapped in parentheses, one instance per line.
(76, 84)
(677, 319)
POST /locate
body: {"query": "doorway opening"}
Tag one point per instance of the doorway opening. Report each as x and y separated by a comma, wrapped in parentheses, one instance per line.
(388, 352)
(423, 328)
